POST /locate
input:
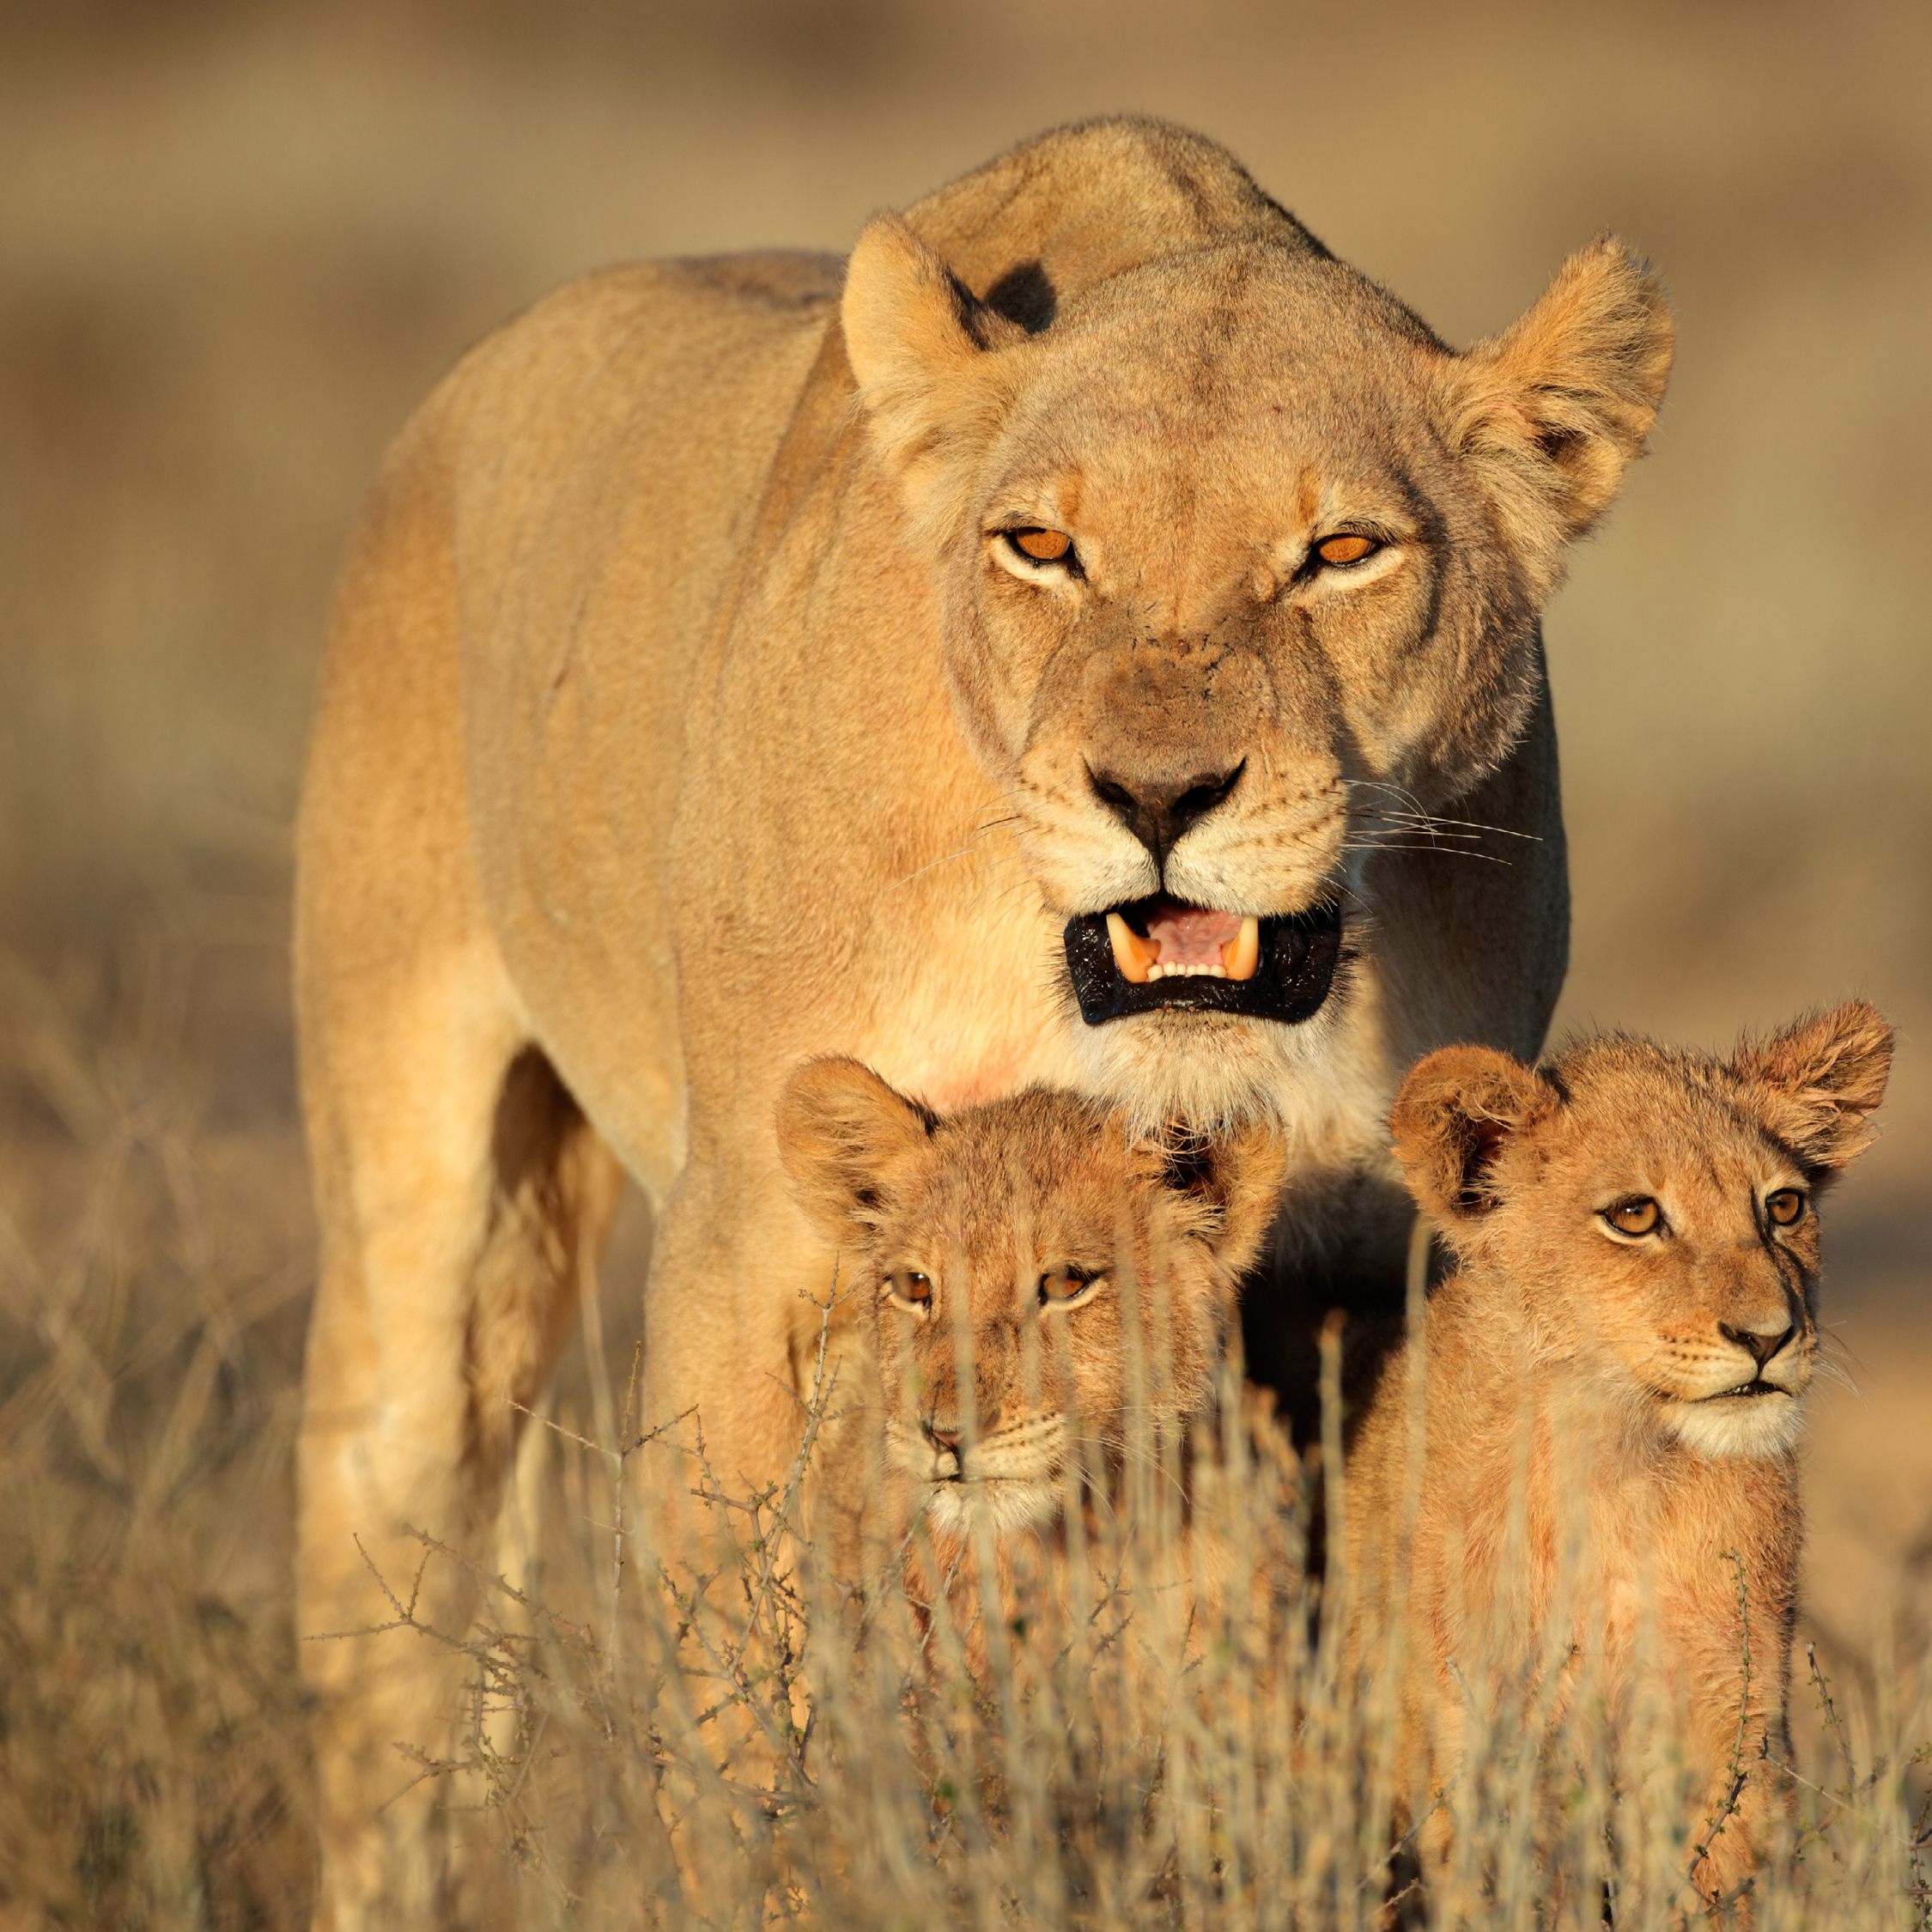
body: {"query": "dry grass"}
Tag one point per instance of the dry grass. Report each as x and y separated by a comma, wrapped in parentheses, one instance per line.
(730, 1741)
(238, 243)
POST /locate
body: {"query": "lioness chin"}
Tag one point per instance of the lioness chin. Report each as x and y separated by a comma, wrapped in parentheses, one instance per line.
(1072, 643)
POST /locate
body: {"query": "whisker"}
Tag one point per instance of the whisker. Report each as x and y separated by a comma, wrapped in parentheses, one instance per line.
(959, 851)
(1441, 851)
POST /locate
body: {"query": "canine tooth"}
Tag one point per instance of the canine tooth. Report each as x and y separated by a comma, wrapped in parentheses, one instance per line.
(1243, 953)
(1133, 955)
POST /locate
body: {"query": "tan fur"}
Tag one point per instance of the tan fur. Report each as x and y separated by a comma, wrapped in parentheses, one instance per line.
(679, 720)
(1613, 1353)
(990, 1205)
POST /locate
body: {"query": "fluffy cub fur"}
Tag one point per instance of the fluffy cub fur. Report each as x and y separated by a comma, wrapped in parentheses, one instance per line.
(1045, 1290)
(1607, 1397)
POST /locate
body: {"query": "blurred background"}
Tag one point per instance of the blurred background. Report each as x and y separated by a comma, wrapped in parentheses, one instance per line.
(238, 241)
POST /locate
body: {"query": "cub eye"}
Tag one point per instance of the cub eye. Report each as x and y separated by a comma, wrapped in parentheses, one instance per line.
(911, 1289)
(1637, 1216)
(1042, 546)
(1062, 1287)
(1786, 1207)
(1345, 549)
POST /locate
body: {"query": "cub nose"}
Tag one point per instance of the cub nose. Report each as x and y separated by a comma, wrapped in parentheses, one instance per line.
(941, 1438)
(1158, 810)
(1762, 1347)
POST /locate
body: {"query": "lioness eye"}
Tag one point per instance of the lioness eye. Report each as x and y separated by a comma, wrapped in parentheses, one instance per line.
(1345, 549)
(1043, 546)
(1786, 1206)
(910, 1285)
(1639, 1216)
(1064, 1285)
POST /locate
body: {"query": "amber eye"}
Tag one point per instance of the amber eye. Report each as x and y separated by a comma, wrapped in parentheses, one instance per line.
(1786, 1207)
(1639, 1216)
(1043, 546)
(1346, 549)
(910, 1287)
(1059, 1286)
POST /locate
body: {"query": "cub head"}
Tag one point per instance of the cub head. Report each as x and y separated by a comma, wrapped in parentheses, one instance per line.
(1239, 569)
(1028, 1269)
(1652, 1214)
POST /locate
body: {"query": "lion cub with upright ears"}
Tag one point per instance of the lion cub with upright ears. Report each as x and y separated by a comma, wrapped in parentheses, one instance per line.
(1043, 1241)
(1607, 1399)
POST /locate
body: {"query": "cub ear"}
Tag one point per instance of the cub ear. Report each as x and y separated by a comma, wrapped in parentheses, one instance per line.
(1237, 1177)
(842, 1130)
(1552, 409)
(921, 349)
(1819, 1079)
(1456, 1111)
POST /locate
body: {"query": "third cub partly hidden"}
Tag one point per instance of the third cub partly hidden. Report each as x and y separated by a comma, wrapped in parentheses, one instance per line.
(1605, 1403)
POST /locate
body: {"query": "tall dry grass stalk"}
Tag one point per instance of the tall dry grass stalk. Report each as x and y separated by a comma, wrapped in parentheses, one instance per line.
(1155, 1725)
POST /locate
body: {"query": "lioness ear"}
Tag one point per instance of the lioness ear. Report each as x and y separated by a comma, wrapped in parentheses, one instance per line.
(920, 345)
(1819, 1079)
(1456, 1111)
(1237, 1177)
(1552, 409)
(842, 1130)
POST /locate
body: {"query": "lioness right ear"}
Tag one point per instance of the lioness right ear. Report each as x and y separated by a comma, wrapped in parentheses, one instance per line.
(1551, 410)
(1456, 1110)
(920, 345)
(840, 1131)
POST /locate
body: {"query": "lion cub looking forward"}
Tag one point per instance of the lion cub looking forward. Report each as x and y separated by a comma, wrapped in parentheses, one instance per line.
(1064, 1257)
(1609, 1410)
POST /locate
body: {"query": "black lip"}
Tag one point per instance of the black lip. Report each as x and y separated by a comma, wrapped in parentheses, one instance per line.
(1299, 952)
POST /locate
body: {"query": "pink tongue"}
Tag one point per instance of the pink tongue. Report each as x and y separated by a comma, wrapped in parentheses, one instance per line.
(1192, 936)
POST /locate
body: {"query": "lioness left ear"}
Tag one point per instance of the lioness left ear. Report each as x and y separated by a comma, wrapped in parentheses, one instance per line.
(841, 1131)
(1819, 1080)
(920, 345)
(1455, 1114)
(1552, 410)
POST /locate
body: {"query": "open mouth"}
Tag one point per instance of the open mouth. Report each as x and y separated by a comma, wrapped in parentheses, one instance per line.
(1164, 953)
(1748, 1388)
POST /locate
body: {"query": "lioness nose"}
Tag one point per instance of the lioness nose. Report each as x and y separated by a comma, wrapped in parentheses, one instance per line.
(1158, 810)
(1762, 1347)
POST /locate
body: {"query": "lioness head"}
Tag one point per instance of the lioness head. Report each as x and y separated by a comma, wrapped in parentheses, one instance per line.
(1028, 1268)
(1240, 570)
(1652, 1214)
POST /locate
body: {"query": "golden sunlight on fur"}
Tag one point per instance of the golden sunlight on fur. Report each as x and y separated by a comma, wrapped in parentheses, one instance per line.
(1045, 1291)
(1580, 1482)
(1182, 579)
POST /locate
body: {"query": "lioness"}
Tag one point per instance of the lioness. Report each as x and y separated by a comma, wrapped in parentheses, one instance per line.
(1612, 1379)
(1072, 648)
(1076, 1268)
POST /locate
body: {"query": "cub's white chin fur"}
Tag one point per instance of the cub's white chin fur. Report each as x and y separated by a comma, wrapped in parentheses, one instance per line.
(1755, 1426)
(1003, 1506)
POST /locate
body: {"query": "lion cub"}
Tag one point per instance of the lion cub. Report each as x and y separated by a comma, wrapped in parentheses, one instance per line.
(1610, 1405)
(1077, 1268)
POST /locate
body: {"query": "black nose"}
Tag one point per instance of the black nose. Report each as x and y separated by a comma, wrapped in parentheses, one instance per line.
(1763, 1347)
(1158, 810)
